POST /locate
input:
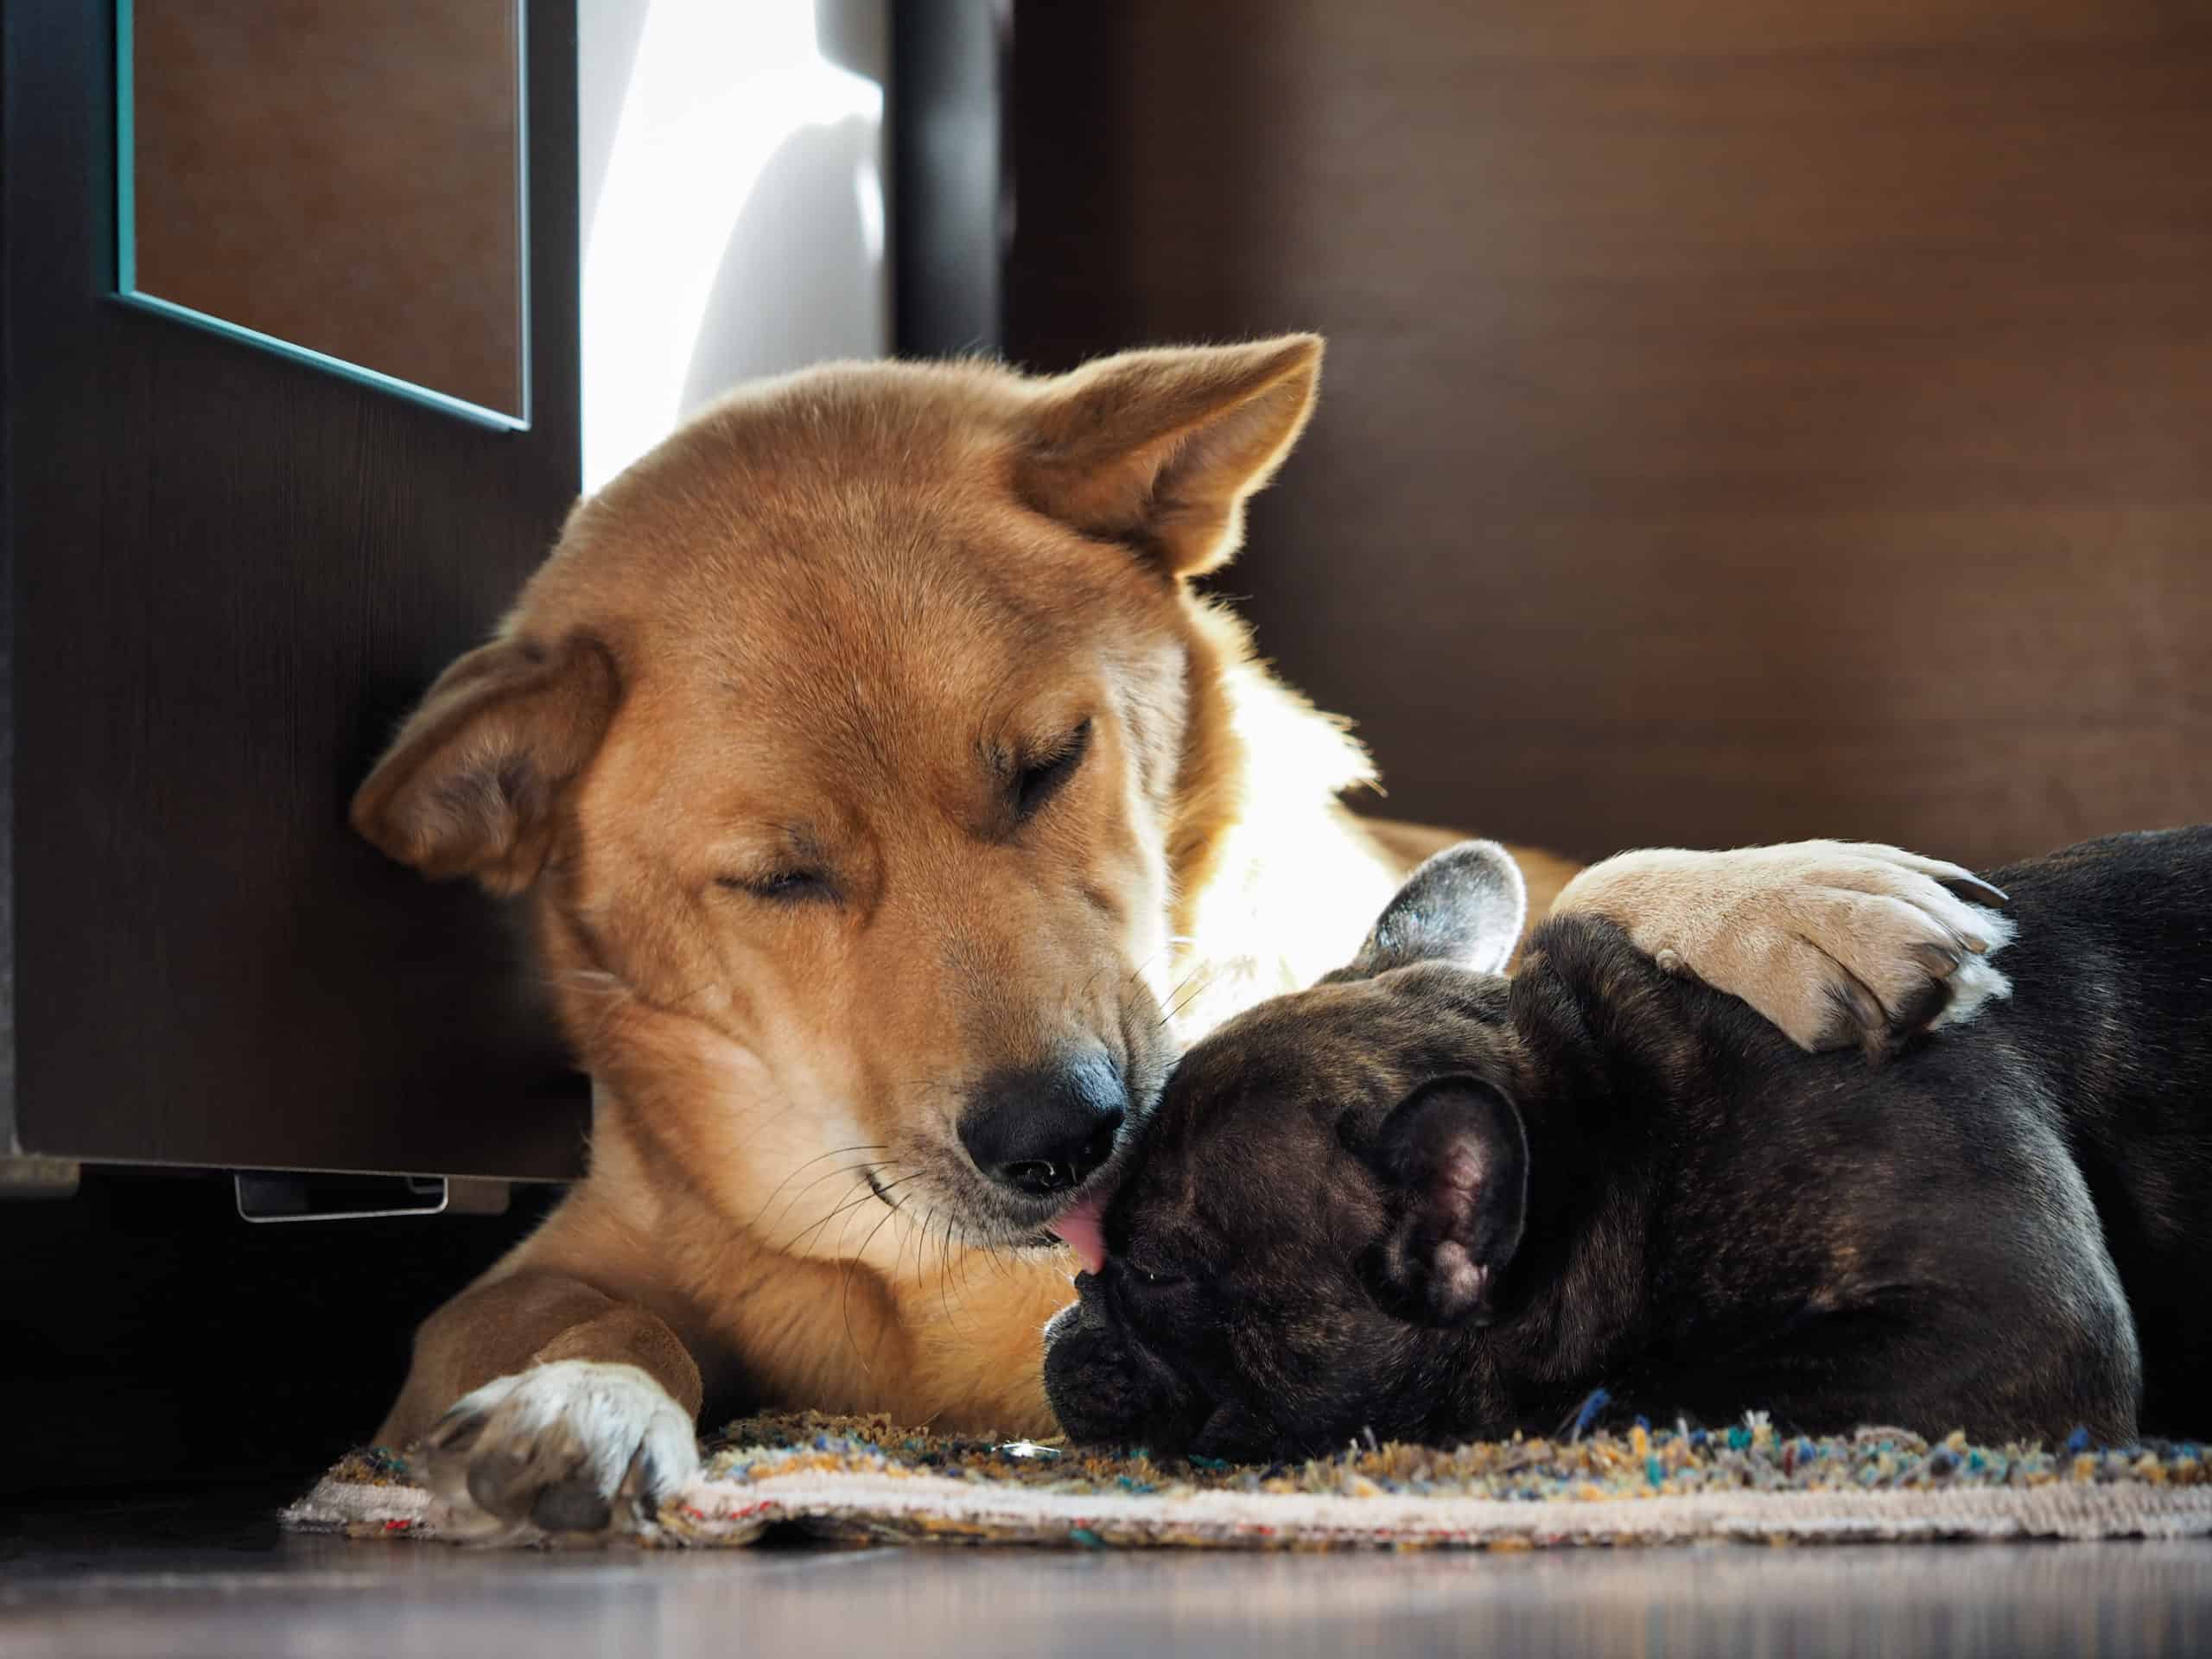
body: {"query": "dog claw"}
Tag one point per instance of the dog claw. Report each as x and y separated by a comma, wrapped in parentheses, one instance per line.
(1974, 890)
(1857, 1005)
(1939, 961)
(572, 1505)
(456, 1431)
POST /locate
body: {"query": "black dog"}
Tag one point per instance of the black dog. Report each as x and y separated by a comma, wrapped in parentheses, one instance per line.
(1435, 1204)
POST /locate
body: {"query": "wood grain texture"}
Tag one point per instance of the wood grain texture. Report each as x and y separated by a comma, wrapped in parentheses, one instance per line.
(231, 573)
(1742, 419)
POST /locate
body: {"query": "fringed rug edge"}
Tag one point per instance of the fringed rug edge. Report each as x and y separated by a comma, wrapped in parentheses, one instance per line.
(927, 1509)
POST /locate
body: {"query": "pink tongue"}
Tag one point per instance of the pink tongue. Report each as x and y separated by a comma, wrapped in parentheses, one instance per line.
(1080, 1226)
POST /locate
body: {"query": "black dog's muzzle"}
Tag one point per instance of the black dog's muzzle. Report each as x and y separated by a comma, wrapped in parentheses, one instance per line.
(1106, 1387)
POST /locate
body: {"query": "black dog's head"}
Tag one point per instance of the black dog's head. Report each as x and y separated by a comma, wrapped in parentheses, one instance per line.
(1328, 1179)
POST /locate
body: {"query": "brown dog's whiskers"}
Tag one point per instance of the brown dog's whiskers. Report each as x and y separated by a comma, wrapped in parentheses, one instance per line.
(845, 1295)
(1136, 973)
(860, 1169)
(964, 1254)
(1176, 1011)
(866, 1193)
(919, 1233)
(921, 1238)
(944, 1274)
(838, 1249)
(873, 1146)
(1184, 983)
(845, 1284)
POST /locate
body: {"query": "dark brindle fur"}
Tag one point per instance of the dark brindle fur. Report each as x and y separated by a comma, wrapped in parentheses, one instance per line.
(1437, 1203)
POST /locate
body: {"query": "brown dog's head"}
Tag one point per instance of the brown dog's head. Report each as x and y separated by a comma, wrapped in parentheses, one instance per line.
(856, 748)
(1332, 1181)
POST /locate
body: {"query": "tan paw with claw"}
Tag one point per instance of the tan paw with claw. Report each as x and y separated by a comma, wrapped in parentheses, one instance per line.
(574, 1447)
(1841, 944)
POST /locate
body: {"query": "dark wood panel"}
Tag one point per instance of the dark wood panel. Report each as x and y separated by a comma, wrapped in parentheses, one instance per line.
(232, 574)
(1741, 421)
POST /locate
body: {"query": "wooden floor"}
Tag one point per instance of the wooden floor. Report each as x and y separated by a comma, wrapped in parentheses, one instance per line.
(109, 1581)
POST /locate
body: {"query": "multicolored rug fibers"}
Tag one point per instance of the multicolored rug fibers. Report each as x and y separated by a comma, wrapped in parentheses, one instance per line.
(866, 1480)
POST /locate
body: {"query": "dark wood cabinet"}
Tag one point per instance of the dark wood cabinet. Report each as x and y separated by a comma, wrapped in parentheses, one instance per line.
(229, 574)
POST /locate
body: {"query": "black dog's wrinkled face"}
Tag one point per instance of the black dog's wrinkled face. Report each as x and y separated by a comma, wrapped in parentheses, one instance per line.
(1327, 1179)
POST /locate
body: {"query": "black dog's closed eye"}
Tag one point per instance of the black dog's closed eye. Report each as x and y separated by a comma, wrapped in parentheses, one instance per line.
(1155, 1274)
(1039, 779)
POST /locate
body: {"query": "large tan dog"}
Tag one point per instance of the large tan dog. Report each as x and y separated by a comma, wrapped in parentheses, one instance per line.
(890, 811)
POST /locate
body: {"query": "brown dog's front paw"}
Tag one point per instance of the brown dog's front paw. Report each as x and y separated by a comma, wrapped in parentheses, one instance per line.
(576, 1447)
(1840, 943)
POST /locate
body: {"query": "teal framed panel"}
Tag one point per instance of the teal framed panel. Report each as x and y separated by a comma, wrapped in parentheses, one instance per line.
(128, 275)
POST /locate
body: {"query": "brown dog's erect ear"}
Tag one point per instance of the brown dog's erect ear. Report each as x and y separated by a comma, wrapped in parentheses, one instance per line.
(1159, 448)
(1453, 1159)
(471, 784)
(1464, 906)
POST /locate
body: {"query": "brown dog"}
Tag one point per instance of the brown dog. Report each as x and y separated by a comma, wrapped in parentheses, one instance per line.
(890, 812)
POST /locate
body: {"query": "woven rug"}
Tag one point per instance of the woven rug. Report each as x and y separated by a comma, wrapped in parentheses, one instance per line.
(862, 1480)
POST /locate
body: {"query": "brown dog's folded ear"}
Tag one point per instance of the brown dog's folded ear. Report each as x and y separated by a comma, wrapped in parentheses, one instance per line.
(471, 786)
(1159, 448)
(1453, 1159)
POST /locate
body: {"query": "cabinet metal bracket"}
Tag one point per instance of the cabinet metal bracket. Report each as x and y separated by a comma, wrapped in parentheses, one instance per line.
(309, 1195)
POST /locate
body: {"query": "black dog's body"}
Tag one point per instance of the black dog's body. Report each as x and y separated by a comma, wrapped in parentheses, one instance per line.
(2001, 1230)
(1956, 1239)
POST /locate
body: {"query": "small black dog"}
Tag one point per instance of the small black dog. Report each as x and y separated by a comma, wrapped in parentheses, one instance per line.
(1435, 1203)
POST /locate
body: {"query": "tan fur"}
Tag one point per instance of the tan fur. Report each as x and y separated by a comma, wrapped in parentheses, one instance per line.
(821, 629)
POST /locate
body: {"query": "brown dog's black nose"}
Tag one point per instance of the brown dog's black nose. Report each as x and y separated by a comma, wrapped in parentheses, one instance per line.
(1041, 1129)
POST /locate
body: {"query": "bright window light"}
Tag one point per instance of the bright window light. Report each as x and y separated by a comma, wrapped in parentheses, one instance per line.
(734, 203)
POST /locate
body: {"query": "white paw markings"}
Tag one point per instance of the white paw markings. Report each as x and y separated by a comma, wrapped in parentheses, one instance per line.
(576, 1445)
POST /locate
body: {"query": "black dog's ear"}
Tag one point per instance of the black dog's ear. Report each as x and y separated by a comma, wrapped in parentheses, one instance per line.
(1464, 905)
(1453, 1159)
